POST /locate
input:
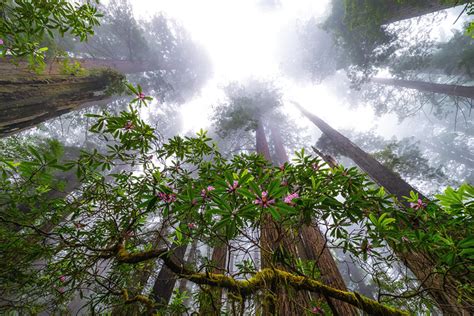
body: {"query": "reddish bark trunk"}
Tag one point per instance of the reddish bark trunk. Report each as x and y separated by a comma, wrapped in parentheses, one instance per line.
(448, 89)
(27, 99)
(443, 289)
(313, 246)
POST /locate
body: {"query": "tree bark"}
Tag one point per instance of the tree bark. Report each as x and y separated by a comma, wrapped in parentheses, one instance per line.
(27, 100)
(443, 289)
(219, 256)
(399, 12)
(389, 11)
(166, 279)
(422, 86)
(313, 245)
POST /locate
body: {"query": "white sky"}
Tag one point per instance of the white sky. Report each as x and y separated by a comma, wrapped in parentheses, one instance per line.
(241, 39)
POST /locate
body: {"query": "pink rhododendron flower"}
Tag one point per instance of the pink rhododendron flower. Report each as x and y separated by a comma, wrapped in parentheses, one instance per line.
(418, 205)
(232, 187)
(1, 41)
(60, 290)
(62, 278)
(192, 226)
(207, 190)
(282, 167)
(264, 201)
(141, 96)
(167, 198)
(289, 198)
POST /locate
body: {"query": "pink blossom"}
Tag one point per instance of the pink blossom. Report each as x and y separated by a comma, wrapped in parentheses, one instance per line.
(1, 41)
(289, 198)
(282, 167)
(192, 226)
(418, 205)
(167, 198)
(60, 290)
(317, 310)
(233, 187)
(205, 191)
(62, 278)
(264, 201)
(284, 183)
(141, 96)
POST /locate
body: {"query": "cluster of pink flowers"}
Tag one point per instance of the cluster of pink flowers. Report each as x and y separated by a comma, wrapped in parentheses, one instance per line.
(141, 96)
(418, 205)
(192, 226)
(289, 198)
(264, 201)
(204, 192)
(232, 187)
(1, 41)
(167, 198)
(62, 278)
(129, 125)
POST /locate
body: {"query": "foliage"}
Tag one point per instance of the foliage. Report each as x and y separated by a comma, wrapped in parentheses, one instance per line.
(71, 67)
(184, 183)
(24, 25)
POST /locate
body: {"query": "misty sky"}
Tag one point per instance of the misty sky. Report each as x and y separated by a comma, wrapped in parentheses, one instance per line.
(241, 38)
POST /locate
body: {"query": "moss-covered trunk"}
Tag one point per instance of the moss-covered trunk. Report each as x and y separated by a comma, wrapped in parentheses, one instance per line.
(27, 99)
(443, 288)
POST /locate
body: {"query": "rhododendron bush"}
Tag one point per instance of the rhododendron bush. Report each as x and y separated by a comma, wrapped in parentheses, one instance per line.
(91, 244)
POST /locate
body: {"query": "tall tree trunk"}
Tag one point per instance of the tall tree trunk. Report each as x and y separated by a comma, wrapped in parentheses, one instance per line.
(166, 280)
(398, 11)
(442, 288)
(27, 100)
(214, 305)
(389, 11)
(313, 245)
(277, 141)
(183, 283)
(422, 86)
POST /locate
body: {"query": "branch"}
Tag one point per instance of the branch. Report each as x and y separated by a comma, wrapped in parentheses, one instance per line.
(258, 282)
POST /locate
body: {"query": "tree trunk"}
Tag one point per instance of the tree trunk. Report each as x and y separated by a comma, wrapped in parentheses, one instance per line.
(389, 11)
(313, 246)
(277, 141)
(214, 305)
(27, 100)
(183, 283)
(398, 12)
(166, 280)
(442, 288)
(448, 89)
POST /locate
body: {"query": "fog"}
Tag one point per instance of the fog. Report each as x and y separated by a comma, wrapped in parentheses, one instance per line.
(399, 90)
